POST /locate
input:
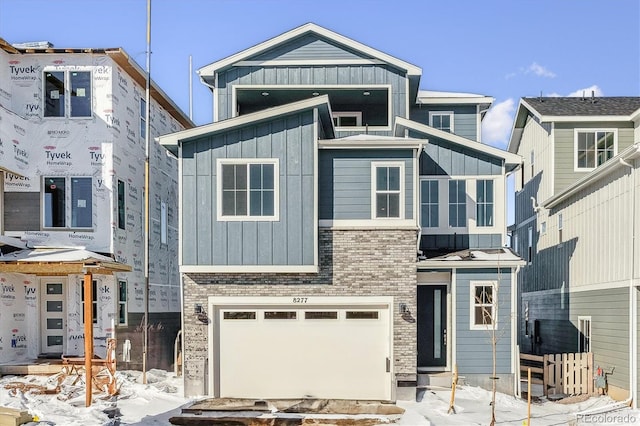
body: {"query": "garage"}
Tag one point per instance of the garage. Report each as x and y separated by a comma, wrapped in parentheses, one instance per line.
(301, 347)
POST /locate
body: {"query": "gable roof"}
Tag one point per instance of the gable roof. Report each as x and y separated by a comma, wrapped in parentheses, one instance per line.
(213, 68)
(173, 140)
(511, 160)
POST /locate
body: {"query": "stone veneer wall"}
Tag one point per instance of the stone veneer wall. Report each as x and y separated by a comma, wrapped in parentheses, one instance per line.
(352, 263)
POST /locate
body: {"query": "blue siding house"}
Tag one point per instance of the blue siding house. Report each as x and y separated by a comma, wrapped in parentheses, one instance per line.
(341, 231)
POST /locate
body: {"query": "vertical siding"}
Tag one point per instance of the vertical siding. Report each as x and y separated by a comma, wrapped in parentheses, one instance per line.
(473, 347)
(288, 241)
(444, 158)
(345, 182)
(465, 118)
(309, 46)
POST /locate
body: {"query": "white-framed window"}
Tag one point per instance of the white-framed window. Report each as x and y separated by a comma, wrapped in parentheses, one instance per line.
(122, 302)
(543, 228)
(247, 189)
(584, 334)
(387, 190)
(532, 164)
(67, 93)
(515, 243)
(163, 222)
(483, 304)
(594, 147)
(347, 118)
(530, 245)
(441, 120)
(57, 213)
(484, 202)
(457, 203)
(560, 225)
(429, 204)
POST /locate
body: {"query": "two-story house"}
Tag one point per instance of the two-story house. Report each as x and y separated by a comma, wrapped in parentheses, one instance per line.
(576, 225)
(72, 144)
(341, 231)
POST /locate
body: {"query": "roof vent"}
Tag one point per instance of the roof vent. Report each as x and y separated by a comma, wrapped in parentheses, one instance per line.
(593, 98)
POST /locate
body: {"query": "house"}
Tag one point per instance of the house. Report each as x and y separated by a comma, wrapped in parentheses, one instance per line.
(72, 152)
(576, 225)
(341, 230)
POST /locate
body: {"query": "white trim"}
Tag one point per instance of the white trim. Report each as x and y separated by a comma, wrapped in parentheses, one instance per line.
(346, 143)
(515, 369)
(454, 317)
(575, 147)
(374, 191)
(245, 269)
(494, 304)
(316, 196)
(339, 114)
(364, 224)
(466, 264)
(276, 189)
(442, 113)
(307, 62)
(584, 318)
(416, 189)
(479, 124)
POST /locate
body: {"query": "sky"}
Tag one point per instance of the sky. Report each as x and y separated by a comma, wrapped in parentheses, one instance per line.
(506, 49)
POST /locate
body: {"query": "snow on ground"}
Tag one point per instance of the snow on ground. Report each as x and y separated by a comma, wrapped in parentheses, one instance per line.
(162, 397)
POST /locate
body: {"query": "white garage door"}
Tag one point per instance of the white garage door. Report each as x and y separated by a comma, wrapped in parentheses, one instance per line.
(304, 350)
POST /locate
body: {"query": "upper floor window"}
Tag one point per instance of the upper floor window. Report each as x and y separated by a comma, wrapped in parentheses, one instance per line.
(347, 119)
(248, 189)
(429, 204)
(57, 214)
(484, 202)
(121, 205)
(388, 199)
(67, 94)
(457, 203)
(442, 120)
(594, 147)
(122, 302)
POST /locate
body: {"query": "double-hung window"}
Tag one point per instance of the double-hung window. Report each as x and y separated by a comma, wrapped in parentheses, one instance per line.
(594, 147)
(441, 120)
(429, 204)
(457, 203)
(58, 213)
(483, 305)
(248, 189)
(388, 198)
(484, 202)
(67, 94)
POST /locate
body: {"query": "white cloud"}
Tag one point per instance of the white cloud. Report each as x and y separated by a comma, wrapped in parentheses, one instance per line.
(496, 126)
(539, 70)
(587, 92)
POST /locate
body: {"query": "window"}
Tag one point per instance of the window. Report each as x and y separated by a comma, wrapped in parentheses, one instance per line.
(94, 298)
(584, 334)
(163, 222)
(515, 243)
(483, 305)
(429, 203)
(442, 121)
(347, 119)
(122, 302)
(594, 147)
(121, 206)
(67, 93)
(143, 118)
(532, 163)
(484, 202)
(57, 214)
(248, 189)
(560, 228)
(388, 187)
(457, 203)
(530, 245)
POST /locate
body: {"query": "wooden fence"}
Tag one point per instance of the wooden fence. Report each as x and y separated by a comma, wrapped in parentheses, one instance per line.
(570, 373)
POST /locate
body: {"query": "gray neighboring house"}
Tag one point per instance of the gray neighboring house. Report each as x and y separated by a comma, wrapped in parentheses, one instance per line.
(341, 231)
(577, 224)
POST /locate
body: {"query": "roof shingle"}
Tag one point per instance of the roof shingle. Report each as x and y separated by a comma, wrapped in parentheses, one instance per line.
(587, 106)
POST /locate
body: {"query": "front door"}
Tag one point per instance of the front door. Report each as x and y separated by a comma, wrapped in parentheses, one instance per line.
(432, 326)
(52, 315)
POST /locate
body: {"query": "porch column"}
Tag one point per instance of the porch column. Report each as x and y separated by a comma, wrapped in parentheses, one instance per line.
(88, 332)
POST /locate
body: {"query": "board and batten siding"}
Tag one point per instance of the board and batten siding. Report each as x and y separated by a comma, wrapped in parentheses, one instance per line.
(465, 118)
(346, 182)
(308, 47)
(473, 347)
(442, 158)
(288, 241)
(564, 141)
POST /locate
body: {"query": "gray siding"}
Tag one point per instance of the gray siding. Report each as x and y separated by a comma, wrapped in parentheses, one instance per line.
(473, 347)
(459, 241)
(308, 47)
(289, 241)
(465, 118)
(345, 182)
(442, 158)
(565, 149)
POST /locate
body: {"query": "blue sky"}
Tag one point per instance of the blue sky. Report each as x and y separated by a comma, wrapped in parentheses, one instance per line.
(507, 49)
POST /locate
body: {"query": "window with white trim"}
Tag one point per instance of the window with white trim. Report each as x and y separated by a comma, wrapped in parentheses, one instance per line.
(560, 228)
(584, 334)
(483, 304)
(594, 147)
(248, 189)
(457, 203)
(441, 120)
(122, 302)
(57, 213)
(347, 118)
(530, 245)
(429, 217)
(388, 197)
(484, 202)
(67, 94)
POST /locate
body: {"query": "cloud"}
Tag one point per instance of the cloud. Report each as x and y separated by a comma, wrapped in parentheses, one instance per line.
(597, 91)
(496, 126)
(539, 70)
